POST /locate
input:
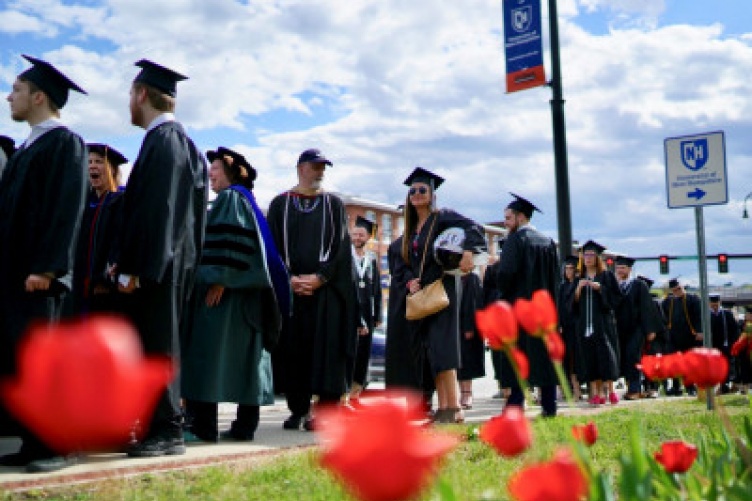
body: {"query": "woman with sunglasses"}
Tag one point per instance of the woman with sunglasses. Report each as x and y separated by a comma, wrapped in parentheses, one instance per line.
(439, 353)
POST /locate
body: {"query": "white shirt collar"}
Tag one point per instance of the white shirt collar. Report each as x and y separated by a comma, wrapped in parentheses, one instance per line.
(39, 129)
(160, 119)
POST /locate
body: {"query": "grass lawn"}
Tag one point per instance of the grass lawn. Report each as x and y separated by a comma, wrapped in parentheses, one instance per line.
(473, 470)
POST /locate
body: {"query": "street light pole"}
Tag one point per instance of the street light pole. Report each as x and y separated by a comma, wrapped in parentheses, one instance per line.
(563, 209)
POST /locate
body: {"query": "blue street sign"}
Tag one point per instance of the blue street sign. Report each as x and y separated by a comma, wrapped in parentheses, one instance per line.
(523, 44)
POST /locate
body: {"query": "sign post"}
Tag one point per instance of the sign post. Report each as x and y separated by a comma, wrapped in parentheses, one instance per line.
(695, 177)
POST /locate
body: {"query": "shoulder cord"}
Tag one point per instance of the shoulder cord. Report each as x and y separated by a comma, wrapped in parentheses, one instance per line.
(686, 314)
(323, 256)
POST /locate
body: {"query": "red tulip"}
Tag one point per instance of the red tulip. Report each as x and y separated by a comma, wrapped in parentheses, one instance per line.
(742, 345)
(497, 324)
(674, 365)
(705, 367)
(560, 479)
(555, 345)
(676, 456)
(654, 367)
(82, 386)
(538, 316)
(378, 454)
(585, 433)
(509, 433)
(520, 362)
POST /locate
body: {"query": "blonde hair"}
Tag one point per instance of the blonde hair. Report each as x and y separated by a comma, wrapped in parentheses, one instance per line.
(600, 266)
(411, 223)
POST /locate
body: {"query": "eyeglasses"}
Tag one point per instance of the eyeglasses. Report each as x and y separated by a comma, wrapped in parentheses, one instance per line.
(422, 190)
(590, 254)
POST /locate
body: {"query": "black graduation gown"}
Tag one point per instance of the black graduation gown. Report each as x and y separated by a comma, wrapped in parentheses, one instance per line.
(162, 234)
(472, 352)
(683, 319)
(724, 330)
(635, 319)
(598, 354)
(97, 239)
(317, 340)
(529, 262)
(657, 345)
(503, 371)
(567, 324)
(402, 347)
(42, 195)
(369, 308)
(440, 332)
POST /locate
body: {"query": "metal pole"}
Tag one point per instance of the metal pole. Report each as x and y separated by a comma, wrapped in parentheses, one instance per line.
(703, 272)
(563, 210)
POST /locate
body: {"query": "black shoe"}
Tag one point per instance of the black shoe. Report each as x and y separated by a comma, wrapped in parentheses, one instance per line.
(194, 434)
(158, 446)
(293, 422)
(54, 463)
(239, 436)
(15, 459)
(309, 424)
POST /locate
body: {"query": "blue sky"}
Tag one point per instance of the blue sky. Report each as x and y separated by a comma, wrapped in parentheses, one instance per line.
(384, 86)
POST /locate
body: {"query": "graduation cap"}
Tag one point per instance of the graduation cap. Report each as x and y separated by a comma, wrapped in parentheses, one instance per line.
(315, 156)
(624, 261)
(234, 160)
(715, 298)
(647, 280)
(8, 146)
(369, 225)
(159, 77)
(421, 175)
(523, 206)
(592, 245)
(50, 80)
(673, 283)
(571, 260)
(112, 155)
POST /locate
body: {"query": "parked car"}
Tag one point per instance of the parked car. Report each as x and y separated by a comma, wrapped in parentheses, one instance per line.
(378, 355)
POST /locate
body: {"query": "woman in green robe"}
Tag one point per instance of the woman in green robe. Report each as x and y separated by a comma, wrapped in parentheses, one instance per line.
(224, 359)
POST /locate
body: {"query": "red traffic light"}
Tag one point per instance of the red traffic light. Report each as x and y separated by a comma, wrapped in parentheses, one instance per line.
(722, 263)
(663, 260)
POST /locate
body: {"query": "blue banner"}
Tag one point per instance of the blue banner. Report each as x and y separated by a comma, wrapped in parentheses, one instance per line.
(523, 44)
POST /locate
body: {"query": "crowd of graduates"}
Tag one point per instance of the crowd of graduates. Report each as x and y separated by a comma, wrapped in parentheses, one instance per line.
(249, 305)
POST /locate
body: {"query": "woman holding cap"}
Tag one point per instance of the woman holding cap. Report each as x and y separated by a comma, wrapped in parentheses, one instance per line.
(593, 300)
(439, 332)
(235, 315)
(93, 289)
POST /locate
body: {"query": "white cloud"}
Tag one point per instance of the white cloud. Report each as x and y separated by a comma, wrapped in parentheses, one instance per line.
(384, 86)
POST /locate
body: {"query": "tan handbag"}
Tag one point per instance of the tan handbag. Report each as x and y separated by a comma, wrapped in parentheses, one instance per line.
(429, 299)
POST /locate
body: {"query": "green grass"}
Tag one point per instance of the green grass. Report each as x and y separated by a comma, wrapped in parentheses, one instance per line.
(473, 470)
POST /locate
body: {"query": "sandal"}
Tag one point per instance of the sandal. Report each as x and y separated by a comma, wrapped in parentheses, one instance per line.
(466, 402)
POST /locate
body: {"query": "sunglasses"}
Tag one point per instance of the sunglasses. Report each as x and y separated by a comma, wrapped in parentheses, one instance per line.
(422, 190)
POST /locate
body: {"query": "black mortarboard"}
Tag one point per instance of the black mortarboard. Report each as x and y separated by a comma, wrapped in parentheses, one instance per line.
(674, 282)
(421, 175)
(624, 261)
(159, 77)
(365, 223)
(314, 156)
(715, 298)
(571, 260)
(7, 145)
(522, 205)
(49, 80)
(593, 245)
(647, 281)
(112, 155)
(238, 162)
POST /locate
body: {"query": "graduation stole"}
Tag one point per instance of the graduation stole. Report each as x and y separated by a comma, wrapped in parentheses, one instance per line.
(276, 271)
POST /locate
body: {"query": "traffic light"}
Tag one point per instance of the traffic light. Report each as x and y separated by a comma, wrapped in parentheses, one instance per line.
(663, 259)
(610, 263)
(722, 263)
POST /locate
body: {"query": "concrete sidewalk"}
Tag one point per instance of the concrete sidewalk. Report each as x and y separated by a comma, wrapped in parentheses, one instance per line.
(270, 441)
